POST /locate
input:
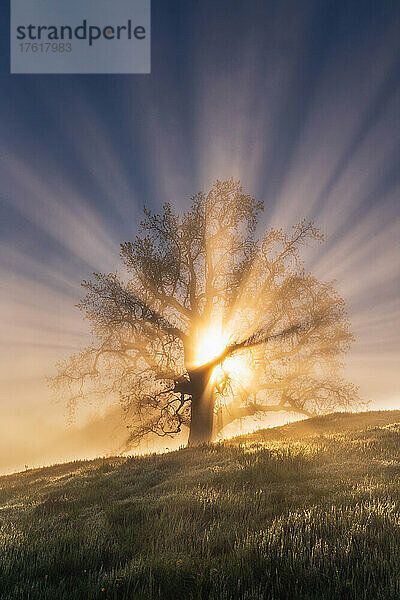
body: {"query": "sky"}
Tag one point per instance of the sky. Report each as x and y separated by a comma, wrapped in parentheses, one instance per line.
(298, 99)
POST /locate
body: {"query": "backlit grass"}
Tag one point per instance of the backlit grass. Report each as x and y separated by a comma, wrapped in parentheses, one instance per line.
(312, 518)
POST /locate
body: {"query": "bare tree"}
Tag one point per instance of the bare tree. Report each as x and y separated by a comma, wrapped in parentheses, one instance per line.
(208, 324)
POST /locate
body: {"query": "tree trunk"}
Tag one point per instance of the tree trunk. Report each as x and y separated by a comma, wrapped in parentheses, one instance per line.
(201, 419)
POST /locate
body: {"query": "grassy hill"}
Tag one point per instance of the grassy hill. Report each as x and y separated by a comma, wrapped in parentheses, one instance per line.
(338, 422)
(310, 510)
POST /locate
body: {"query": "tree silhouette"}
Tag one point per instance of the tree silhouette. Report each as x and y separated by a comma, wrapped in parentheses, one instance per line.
(209, 324)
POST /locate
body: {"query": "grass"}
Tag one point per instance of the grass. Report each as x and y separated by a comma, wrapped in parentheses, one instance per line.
(315, 516)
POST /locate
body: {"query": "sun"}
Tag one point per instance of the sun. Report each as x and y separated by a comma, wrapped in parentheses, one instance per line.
(211, 344)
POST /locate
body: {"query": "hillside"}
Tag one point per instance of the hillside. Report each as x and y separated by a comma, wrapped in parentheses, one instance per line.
(338, 422)
(315, 516)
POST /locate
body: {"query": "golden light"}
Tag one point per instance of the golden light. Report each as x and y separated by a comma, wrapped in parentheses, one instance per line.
(211, 344)
(238, 366)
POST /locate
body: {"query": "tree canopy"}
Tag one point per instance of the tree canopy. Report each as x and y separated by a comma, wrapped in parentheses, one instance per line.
(209, 323)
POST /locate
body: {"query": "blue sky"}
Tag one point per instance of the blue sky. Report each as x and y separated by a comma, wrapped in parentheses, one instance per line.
(299, 99)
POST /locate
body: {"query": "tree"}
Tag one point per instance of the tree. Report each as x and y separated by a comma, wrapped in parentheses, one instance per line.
(209, 324)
